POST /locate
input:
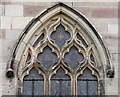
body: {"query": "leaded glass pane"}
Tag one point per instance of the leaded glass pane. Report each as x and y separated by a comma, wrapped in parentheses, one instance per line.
(60, 84)
(60, 36)
(38, 87)
(87, 84)
(33, 84)
(87, 75)
(82, 85)
(33, 75)
(93, 89)
(27, 88)
(73, 57)
(47, 58)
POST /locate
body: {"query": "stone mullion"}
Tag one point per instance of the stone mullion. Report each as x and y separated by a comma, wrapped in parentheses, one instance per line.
(73, 88)
(46, 87)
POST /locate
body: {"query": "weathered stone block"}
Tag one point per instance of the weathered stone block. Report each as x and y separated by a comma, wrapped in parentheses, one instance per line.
(7, 47)
(1, 9)
(20, 22)
(1, 50)
(6, 1)
(111, 42)
(114, 57)
(30, 10)
(2, 34)
(12, 34)
(113, 28)
(112, 87)
(96, 4)
(5, 22)
(104, 20)
(84, 10)
(13, 10)
(104, 13)
(110, 39)
(101, 24)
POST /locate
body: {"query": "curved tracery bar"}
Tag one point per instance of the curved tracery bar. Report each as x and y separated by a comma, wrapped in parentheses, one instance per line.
(47, 58)
(39, 39)
(73, 57)
(80, 38)
(60, 36)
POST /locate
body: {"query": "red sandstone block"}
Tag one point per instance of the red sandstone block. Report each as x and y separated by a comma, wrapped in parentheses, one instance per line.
(84, 10)
(30, 10)
(5, 1)
(104, 13)
(2, 34)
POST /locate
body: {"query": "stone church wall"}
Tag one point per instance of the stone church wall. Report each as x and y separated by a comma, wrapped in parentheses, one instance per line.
(16, 14)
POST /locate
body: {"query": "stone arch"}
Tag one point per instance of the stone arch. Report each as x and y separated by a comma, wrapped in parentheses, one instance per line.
(72, 22)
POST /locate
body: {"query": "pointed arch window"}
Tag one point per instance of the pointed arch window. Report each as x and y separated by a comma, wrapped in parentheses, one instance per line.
(60, 51)
(61, 62)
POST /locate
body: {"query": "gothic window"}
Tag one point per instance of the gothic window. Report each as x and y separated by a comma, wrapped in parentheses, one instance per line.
(60, 54)
(55, 56)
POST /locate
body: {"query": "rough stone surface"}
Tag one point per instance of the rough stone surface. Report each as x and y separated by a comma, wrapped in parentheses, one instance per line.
(7, 47)
(20, 22)
(65, 0)
(84, 10)
(1, 9)
(2, 34)
(6, 1)
(5, 22)
(13, 10)
(104, 13)
(113, 29)
(96, 5)
(12, 34)
(33, 10)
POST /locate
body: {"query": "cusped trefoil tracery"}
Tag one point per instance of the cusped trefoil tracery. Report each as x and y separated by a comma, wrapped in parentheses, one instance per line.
(60, 45)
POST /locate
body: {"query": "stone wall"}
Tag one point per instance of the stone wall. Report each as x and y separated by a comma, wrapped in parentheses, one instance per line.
(16, 14)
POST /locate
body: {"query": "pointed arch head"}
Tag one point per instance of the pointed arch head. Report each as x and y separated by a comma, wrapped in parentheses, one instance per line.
(73, 22)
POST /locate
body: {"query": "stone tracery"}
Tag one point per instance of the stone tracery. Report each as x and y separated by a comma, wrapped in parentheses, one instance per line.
(50, 55)
(85, 39)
